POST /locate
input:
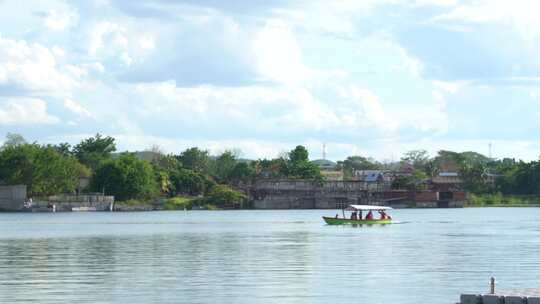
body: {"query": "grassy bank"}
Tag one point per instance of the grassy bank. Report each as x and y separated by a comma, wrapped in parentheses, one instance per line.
(174, 203)
(500, 200)
(187, 203)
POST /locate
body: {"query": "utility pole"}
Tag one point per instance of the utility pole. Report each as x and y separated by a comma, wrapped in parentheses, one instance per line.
(324, 151)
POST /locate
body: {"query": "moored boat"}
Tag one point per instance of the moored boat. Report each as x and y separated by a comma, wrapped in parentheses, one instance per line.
(356, 216)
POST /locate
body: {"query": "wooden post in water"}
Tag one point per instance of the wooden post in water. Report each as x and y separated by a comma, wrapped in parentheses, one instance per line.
(492, 286)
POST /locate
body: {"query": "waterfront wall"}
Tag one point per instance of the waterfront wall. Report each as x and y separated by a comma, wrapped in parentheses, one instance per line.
(300, 194)
(12, 197)
(498, 299)
(67, 203)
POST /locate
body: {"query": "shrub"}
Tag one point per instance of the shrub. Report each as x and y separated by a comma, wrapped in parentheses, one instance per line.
(178, 203)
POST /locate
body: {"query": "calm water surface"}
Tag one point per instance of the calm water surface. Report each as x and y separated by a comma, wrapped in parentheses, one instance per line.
(429, 256)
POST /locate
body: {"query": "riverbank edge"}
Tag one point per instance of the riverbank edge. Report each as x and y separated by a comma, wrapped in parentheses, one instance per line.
(501, 200)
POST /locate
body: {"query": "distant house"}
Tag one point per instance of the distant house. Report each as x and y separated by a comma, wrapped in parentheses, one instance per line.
(329, 169)
(446, 181)
(490, 178)
(369, 176)
(325, 164)
(374, 180)
(84, 183)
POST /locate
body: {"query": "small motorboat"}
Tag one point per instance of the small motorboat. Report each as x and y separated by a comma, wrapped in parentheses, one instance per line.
(356, 217)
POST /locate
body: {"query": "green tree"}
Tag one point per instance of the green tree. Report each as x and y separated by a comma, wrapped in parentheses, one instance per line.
(414, 182)
(167, 163)
(353, 163)
(299, 165)
(299, 155)
(196, 160)
(94, 150)
(274, 168)
(520, 178)
(13, 139)
(225, 164)
(448, 160)
(164, 182)
(242, 172)
(41, 168)
(222, 195)
(419, 159)
(184, 181)
(125, 177)
(63, 148)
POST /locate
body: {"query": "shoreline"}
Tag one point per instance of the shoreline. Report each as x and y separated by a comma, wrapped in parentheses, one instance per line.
(150, 209)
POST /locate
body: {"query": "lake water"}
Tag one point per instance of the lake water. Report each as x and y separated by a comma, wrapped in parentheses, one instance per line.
(428, 256)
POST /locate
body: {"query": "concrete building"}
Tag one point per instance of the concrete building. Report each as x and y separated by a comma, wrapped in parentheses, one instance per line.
(12, 198)
(329, 169)
(303, 194)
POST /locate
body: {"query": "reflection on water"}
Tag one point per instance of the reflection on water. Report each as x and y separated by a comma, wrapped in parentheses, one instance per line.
(264, 257)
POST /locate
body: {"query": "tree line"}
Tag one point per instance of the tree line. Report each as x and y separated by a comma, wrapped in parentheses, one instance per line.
(55, 169)
(479, 174)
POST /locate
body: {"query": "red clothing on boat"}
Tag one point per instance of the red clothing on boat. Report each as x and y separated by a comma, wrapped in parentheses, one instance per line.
(369, 216)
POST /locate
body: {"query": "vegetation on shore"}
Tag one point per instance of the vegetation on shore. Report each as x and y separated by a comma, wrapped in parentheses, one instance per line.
(490, 182)
(500, 200)
(193, 178)
(196, 178)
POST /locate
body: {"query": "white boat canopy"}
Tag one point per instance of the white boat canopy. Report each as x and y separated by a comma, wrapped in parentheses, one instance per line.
(366, 207)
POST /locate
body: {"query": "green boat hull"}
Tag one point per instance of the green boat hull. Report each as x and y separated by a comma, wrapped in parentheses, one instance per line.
(342, 221)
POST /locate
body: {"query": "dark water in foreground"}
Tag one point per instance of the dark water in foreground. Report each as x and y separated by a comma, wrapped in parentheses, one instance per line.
(264, 256)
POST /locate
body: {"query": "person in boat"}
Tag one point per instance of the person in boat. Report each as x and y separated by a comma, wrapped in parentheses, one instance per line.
(385, 216)
(354, 216)
(360, 215)
(369, 216)
(336, 215)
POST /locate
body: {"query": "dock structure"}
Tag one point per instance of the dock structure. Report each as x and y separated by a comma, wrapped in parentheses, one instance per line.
(62, 203)
(527, 296)
(308, 194)
(304, 194)
(498, 299)
(12, 197)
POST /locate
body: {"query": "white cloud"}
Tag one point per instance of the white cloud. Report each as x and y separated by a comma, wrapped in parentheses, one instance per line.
(31, 66)
(60, 20)
(336, 72)
(147, 43)
(448, 87)
(278, 54)
(362, 108)
(25, 111)
(77, 108)
(435, 2)
(111, 42)
(410, 63)
(106, 36)
(520, 13)
(266, 109)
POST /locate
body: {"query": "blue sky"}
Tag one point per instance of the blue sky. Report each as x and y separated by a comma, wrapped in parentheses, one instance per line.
(372, 78)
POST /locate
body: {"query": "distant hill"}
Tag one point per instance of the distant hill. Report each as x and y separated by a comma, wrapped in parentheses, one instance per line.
(149, 156)
(142, 155)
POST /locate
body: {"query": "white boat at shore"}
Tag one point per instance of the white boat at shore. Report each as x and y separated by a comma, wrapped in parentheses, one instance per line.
(83, 209)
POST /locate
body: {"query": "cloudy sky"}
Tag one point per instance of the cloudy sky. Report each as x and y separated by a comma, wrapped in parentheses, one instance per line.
(366, 77)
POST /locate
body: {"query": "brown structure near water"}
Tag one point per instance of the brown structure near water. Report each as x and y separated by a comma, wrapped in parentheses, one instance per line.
(303, 194)
(14, 198)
